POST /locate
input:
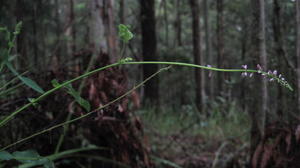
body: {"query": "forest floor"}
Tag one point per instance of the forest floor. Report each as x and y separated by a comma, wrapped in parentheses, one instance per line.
(188, 140)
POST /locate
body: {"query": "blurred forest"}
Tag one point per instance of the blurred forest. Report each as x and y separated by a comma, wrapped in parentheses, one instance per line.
(183, 118)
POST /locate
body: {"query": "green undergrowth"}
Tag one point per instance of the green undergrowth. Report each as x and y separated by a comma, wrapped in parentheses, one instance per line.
(178, 136)
(186, 120)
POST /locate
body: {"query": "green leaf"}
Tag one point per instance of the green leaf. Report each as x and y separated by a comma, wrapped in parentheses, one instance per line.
(49, 164)
(81, 101)
(32, 84)
(4, 155)
(124, 33)
(18, 28)
(42, 161)
(26, 156)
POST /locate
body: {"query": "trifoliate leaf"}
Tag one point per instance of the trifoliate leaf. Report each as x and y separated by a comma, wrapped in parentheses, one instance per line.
(124, 33)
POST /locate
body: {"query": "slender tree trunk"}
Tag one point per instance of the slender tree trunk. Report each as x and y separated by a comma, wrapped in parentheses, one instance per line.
(96, 28)
(149, 48)
(35, 37)
(72, 17)
(110, 28)
(209, 57)
(56, 58)
(220, 44)
(198, 59)
(279, 52)
(259, 110)
(298, 51)
(166, 22)
(244, 38)
(122, 13)
(70, 32)
(21, 42)
(178, 23)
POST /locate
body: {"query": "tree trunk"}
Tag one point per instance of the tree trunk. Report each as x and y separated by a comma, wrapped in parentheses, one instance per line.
(102, 28)
(178, 23)
(71, 32)
(149, 49)
(166, 22)
(107, 86)
(35, 36)
(244, 48)
(56, 59)
(97, 35)
(259, 110)
(298, 51)
(199, 77)
(209, 57)
(110, 29)
(21, 46)
(122, 13)
(279, 52)
(220, 44)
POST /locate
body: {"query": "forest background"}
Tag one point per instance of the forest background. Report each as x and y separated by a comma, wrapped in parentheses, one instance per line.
(185, 117)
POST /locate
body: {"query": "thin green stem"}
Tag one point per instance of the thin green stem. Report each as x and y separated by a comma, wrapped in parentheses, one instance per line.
(192, 65)
(66, 127)
(8, 118)
(122, 62)
(12, 80)
(5, 92)
(87, 114)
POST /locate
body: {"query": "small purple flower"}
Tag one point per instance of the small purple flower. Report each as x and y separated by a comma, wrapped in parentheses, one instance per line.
(259, 67)
(275, 72)
(279, 76)
(244, 74)
(250, 75)
(210, 72)
(270, 72)
(272, 79)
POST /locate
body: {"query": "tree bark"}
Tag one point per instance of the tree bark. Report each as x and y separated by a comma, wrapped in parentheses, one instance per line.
(220, 44)
(276, 21)
(35, 37)
(298, 51)
(198, 59)
(259, 110)
(97, 35)
(122, 13)
(21, 46)
(166, 22)
(110, 29)
(71, 32)
(209, 57)
(149, 49)
(178, 23)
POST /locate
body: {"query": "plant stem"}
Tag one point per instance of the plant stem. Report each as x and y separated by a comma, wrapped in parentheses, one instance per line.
(89, 113)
